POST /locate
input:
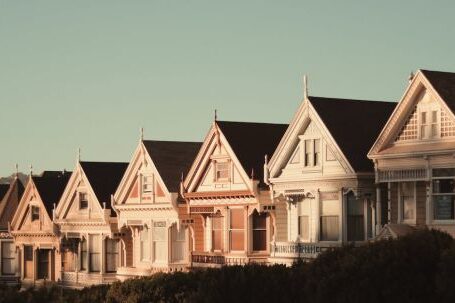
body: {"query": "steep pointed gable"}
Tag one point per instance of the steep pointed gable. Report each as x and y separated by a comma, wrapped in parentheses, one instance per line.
(104, 178)
(354, 125)
(50, 186)
(172, 158)
(251, 142)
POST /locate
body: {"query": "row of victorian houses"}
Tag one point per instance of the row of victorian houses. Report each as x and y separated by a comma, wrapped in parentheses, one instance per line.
(343, 171)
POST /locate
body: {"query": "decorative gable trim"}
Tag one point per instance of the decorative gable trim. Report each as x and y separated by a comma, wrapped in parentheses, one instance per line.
(214, 139)
(405, 107)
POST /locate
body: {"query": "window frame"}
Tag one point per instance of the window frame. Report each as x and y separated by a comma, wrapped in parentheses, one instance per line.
(218, 163)
(81, 195)
(433, 194)
(35, 216)
(236, 230)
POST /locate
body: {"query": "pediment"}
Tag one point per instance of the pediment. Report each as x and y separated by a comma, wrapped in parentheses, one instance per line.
(217, 168)
(22, 220)
(142, 183)
(421, 118)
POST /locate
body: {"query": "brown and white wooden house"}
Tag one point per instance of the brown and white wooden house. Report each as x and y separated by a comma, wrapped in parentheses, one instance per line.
(157, 233)
(10, 195)
(225, 189)
(34, 232)
(320, 178)
(414, 157)
(89, 238)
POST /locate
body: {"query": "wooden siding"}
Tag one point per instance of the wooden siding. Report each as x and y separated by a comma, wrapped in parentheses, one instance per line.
(281, 232)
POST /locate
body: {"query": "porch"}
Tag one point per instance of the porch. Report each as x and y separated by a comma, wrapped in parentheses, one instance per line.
(289, 252)
(216, 260)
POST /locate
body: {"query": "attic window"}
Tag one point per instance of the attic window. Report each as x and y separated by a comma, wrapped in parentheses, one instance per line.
(83, 201)
(35, 213)
(429, 124)
(147, 184)
(221, 171)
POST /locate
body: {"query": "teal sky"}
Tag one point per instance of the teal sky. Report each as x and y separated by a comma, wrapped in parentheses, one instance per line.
(89, 74)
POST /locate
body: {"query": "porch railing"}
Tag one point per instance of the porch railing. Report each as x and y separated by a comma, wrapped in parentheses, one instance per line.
(208, 259)
(297, 250)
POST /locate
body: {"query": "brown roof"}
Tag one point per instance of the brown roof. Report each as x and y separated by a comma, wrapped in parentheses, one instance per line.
(444, 84)
(355, 125)
(104, 178)
(50, 186)
(172, 158)
(3, 190)
(251, 142)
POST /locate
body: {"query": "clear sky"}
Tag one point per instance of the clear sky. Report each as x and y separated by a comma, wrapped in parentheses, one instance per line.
(89, 74)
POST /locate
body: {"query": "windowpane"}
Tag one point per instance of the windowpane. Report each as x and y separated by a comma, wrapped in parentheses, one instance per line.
(304, 227)
(35, 213)
(237, 219)
(329, 228)
(111, 255)
(8, 258)
(83, 254)
(317, 152)
(443, 186)
(443, 207)
(259, 232)
(145, 244)
(83, 201)
(222, 170)
(444, 172)
(355, 220)
(95, 253)
(308, 151)
(217, 236)
(159, 241)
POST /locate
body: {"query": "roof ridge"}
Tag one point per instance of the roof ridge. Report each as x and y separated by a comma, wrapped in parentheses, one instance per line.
(247, 122)
(352, 100)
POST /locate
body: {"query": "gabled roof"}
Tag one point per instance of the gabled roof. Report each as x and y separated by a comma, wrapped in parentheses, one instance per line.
(3, 190)
(251, 142)
(172, 158)
(104, 178)
(444, 84)
(354, 124)
(50, 186)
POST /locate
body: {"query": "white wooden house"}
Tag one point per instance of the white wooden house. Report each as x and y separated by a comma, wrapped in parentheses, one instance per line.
(88, 234)
(320, 178)
(34, 232)
(156, 231)
(414, 157)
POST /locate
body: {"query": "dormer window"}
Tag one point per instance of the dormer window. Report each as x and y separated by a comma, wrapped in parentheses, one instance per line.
(83, 201)
(147, 184)
(222, 171)
(35, 213)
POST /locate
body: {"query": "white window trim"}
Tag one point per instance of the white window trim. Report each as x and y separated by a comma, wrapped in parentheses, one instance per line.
(432, 219)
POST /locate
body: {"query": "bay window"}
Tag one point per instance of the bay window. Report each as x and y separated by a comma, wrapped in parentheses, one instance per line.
(8, 258)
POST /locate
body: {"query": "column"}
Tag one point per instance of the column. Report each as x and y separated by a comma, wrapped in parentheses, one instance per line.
(22, 261)
(378, 209)
(428, 212)
(318, 216)
(288, 219)
(168, 240)
(389, 202)
(35, 263)
(226, 228)
(103, 254)
(344, 218)
(246, 236)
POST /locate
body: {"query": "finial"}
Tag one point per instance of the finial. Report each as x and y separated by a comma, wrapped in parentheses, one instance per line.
(78, 154)
(181, 177)
(17, 170)
(252, 173)
(411, 77)
(216, 115)
(31, 170)
(266, 159)
(142, 134)
(305, 86)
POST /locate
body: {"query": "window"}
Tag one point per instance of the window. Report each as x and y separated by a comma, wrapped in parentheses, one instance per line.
(355, 220)
(429, 124)
(28, 260)
(111, 255)
(304, 227)
(259, 231)
(68, 251)
(308, 152)
(237, 229)
(221, 171)
(217, 233)
(35, 213)
(407, 200)
(147, 184)
(83, 201)
(159, 241)
(95, 253)
(8, 258)
(83, 264)
(178, 247)
(312, 152)
(145, 244)
(444, 194)
(329, 226)
(43, 263)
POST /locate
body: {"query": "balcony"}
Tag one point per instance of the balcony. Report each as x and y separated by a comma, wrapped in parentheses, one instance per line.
(288, 252)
